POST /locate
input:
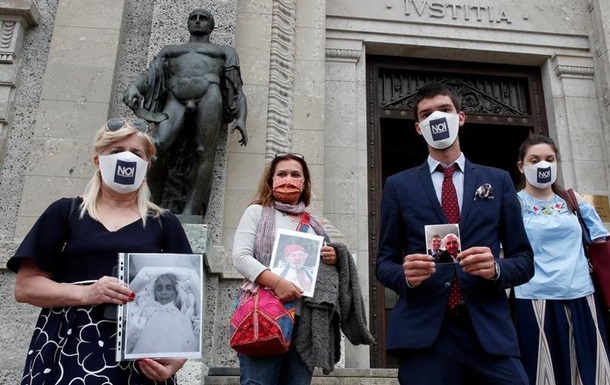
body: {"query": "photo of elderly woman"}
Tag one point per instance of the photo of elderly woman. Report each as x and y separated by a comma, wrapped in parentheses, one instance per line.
(164, 320)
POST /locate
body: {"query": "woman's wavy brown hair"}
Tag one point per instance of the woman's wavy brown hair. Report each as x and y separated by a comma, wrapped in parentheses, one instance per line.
(264, 195)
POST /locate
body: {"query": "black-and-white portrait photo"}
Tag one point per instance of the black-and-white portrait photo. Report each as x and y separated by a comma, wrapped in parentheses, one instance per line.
(296, 257)
(165, 318)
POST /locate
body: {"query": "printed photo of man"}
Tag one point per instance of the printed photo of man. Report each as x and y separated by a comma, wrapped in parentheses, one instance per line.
(452, 249)
(293, 268)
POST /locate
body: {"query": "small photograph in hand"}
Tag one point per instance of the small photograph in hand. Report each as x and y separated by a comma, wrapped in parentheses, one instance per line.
(296, 257)
(164, 320)
(443, 242)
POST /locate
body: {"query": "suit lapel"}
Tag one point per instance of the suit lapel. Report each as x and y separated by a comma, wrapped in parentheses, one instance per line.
(425, 181)
(470, 181)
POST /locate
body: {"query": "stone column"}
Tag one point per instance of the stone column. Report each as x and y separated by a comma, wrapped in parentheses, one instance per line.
(345, 176)
(76, 96)
(574, 120)
(76, 92)
(600, 45)
(309, 95)
(15, 17)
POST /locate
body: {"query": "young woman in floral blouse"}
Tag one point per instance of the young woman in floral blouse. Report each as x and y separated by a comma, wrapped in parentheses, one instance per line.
(559, 320)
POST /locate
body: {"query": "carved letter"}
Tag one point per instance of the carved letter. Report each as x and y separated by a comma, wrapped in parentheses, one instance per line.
(420, 11)
(436, 10)
(503, 17)
(454, 9)
(478, 10)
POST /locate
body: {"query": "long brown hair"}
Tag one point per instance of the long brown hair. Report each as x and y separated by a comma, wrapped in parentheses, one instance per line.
(264, 195)
(533, 140)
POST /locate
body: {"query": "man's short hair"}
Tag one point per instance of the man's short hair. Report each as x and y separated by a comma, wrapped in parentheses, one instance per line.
(451, 235)
(198, 11)
(432, 89)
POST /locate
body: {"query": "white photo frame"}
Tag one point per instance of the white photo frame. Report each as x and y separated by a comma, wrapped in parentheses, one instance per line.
(442, 230)
(303, 271)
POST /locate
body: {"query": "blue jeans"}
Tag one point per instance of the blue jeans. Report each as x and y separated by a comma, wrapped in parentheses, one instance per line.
(287, 368)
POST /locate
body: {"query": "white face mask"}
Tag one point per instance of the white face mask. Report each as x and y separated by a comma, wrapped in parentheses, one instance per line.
(440, 129)
(123, 172)
(541, 174)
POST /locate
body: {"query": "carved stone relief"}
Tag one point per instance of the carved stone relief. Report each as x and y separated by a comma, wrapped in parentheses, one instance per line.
(281, 78)
(13, 23)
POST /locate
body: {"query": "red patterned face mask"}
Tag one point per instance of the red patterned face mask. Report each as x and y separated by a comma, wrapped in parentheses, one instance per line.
(287, 190)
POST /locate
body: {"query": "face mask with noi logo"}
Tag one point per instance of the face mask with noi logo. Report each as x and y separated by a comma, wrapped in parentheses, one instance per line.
(541, 174)
(440, 129)
(123, 172)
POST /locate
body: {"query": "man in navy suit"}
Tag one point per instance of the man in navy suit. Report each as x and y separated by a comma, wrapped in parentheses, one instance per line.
(473, 342)
(435, 245)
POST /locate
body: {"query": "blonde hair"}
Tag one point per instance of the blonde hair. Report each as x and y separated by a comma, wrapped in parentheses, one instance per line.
(104, 138)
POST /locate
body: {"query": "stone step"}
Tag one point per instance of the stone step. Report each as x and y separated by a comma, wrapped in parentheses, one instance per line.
(230, 376)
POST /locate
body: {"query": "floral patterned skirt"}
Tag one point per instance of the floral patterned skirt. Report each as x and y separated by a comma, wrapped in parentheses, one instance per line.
(76, 346)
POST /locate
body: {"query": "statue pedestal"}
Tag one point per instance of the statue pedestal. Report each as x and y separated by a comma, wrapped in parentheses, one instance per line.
(197, 234)
(220, 283)
(190, 219)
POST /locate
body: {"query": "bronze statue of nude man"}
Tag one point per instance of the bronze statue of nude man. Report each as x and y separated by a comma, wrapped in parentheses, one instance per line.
(197, 82)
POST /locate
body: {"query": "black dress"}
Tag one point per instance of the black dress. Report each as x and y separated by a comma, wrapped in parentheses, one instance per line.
(76, 344)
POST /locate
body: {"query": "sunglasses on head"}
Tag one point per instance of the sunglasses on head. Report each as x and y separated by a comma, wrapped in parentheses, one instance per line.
(116, 124)
(286, 154)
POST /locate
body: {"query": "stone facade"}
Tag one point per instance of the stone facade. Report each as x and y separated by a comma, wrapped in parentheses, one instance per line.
(65, 63)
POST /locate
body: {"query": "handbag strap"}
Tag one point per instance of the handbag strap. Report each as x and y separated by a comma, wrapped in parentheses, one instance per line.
(304, 223)
(586, 238)
(572, 201)
(68, 229)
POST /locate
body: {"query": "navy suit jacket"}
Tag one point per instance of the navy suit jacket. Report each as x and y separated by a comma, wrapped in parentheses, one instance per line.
(410, 202)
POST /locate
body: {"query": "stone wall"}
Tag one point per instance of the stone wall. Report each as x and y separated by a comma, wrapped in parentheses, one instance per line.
(13, 159)
(600, 46)
(77, 63)
(303, 66)
(30, 55)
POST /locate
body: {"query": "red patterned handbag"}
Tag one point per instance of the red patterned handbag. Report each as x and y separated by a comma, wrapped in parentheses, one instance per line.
(261, 324)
